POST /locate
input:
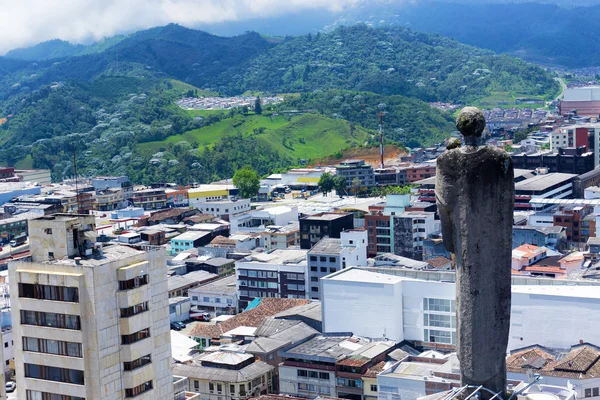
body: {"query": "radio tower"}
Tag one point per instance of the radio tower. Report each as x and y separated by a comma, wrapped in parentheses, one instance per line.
(381, 138)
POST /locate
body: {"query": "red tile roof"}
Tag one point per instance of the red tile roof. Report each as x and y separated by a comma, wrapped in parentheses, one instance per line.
(268, 307)
(582, 362)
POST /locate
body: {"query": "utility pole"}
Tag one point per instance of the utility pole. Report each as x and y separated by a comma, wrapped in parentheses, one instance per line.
(381, 138)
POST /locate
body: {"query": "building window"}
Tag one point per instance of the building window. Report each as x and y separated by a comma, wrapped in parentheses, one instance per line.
(243, 389)
(48, 231)
(51, 320)
(134, 310)
(332, 259)
(196, 385)
(69, 349)
(133, 283)
(47, 292)
(55, 374)
(302, 373)
(144, 387)
(314, 269)
(135, 337)
(323, 259)
(323, 269)
(35, 395)
(373, 388)
(219, 388)
(211, 387)
(314, 279)
(437, 336)
(440, 305)
(314, 289)
(135, 364)
(313, 258)
(332, 270)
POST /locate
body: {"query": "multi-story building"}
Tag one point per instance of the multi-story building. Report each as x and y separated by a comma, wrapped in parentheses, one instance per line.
(330, 365)
(410, 230)
(377, 221)
(207, 193)
(571, 217)
(89, 321)
(150, 199)
(569, 136)
(14, 226)
(425, 309)
(41, 176)
(330, 255)
(282, 237)
(225, 209)
(218, 297)
(227, 374)
(420, 171)
(391, 176)
(278, 273)
(109, 199)
(318, 226)
(548, 236)
(544, 186)
(114, 182)
(356, 169)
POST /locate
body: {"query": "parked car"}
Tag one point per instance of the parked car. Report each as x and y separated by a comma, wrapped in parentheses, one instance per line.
(175, 327)
(181, 325)
(11, 386)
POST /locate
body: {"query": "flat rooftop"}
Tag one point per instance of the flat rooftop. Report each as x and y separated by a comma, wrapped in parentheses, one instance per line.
(587, 292)
(279, 256)
(223, 285)
(195, 235)
(327, 246)
(331, 347)
(325, 216)
(362, 276)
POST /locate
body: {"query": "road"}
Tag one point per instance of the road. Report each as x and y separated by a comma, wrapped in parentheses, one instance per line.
(12, 396)
(563, 87)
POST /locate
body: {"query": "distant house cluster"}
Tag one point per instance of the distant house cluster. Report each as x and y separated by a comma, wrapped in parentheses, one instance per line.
(224, 103)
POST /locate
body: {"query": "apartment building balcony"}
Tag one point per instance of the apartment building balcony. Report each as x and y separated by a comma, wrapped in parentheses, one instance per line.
(135, 323)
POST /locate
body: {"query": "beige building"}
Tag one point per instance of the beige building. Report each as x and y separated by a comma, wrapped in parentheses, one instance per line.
(89, 322)
(228, 374)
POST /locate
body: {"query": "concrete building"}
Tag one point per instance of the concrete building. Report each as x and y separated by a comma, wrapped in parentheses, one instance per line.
(410, 230)
(544, 186)
(547, 236)
(41, 176)
(89, 321)
(114, 182)
(150, 199)
(179, 309)
(316, 227)
(569, 136)
(226, 209)
(217, 297)
(179, 285)
(585, 101)
(272, 216)
(356, 169)
(279, 273)
(378, 223)
(282, 237)
(189, 240)
(229, 374)
(330, 255)
(208, 193)
(424, 311)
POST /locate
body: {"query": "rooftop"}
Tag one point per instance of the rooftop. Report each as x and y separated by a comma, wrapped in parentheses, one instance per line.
(528, 251)
(279, 256)
(198, 371)
(223, 285)
(581, 362)
(327, 246)
(267, 307)
(311, 310)
(543, 182)
(191, 235)
(325, 348)
(326, 216)
(180, 281)
(360, 275)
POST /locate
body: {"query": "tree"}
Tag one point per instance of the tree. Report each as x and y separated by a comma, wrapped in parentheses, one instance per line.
(326, 183)
(356, 186)
(247, 181)
(257, 106)
(339, 183)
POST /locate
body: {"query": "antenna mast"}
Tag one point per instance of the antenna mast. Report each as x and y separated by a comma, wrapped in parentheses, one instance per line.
(381, 138)
(76, 184)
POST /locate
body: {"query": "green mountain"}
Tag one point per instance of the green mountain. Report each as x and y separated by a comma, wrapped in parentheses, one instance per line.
(115, 107)
(57, 48)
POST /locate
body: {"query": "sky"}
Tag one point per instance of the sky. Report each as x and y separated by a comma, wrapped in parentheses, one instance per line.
(28, 22)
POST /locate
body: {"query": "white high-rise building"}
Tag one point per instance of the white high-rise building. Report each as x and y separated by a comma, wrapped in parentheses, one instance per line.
(89, 322)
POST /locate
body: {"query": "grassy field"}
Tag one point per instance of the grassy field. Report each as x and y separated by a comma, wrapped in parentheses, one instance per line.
(184, 87)
(308, 136)
(25, 163)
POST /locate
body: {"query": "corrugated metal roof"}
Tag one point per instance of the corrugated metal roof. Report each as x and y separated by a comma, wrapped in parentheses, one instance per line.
(582, 94)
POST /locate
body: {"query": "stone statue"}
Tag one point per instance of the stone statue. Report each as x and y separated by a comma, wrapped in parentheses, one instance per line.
(475, 198)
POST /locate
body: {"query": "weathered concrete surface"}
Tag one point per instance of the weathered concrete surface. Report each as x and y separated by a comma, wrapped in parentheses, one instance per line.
(475, 198)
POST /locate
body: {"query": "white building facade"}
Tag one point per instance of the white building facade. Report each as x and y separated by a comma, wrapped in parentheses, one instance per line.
(89, 324)
(371, 304)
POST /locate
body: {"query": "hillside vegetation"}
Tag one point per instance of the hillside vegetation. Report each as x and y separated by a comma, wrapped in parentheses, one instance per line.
(115, 105)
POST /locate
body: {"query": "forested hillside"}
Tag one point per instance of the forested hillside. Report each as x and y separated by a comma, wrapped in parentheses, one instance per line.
(116, 106)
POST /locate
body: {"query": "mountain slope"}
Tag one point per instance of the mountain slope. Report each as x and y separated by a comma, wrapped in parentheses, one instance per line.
(388, 61)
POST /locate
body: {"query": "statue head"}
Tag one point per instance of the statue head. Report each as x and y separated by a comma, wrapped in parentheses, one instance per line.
(470, 122)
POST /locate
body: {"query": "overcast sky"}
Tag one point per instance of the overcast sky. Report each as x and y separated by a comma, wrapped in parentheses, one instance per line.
(27, 22)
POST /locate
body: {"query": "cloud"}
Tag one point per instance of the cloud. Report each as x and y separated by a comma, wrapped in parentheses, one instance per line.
(27, 22)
